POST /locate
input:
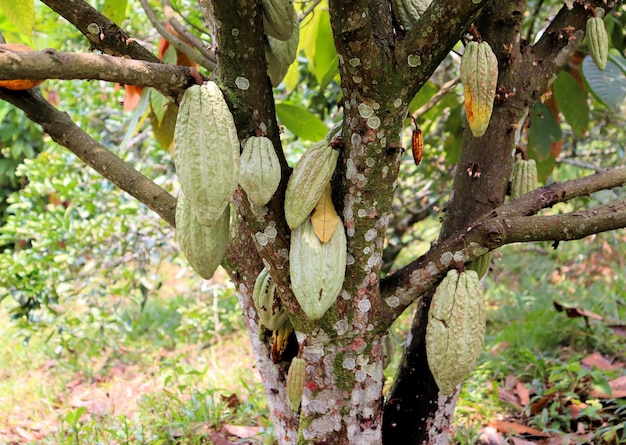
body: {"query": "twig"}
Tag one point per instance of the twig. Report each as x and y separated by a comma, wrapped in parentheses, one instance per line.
(168, 11)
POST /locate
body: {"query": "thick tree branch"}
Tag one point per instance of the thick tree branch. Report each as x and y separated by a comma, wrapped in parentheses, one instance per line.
(64, 131)
(507, 224)
(107, 37)
(171, 80)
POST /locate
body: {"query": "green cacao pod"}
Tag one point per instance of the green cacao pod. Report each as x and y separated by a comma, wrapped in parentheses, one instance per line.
(267, 304)
(597, 41)
(408, 12)
(317, 269)
(456, 328)
(295, 383)
(286, 50)
(206, 151)
(260, 169)
(276, 70)
(308, 180)
(203, 246)
(481, 264)
(523, 177)
(279, 17)
(479, 76)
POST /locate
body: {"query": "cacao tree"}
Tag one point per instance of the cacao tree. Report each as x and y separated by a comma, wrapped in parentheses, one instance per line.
(386, 52)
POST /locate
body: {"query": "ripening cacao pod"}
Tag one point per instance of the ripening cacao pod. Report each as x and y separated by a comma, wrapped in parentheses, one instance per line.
(523, 177)
(203, 246)
(324, 217)
(408, 12)
(479, 76)
(456, 328)
(18, 84)
(206, 151)
(279, 17)
(597, 41)
(317, 269)
(268, 305)
(280, 341)
(295, 383)
(308, 180)
(259, 169)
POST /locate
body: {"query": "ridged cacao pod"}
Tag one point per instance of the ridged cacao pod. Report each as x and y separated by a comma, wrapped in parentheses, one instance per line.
(317, 269)
(204, 247)
(479, 76)
(456, 328)
(523, 177)
(206, 151)
(279, 17)
(308, 180)
(280, 54)
(408, 12)
(280, 341)
(324, 217)
(295, 383)
(259, 169)
(597, 41)
(268, 305)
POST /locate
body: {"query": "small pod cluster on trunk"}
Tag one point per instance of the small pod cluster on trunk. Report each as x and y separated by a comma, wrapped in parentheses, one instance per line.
(523, 177)
(260, 169)
(278, 18)
(479, 76)
(309, 178)
(204, 247)
(408, 12)
(206, 151)
(268, 305)
(597, 41)
(456, 328)
(295, 382)
(317, 269)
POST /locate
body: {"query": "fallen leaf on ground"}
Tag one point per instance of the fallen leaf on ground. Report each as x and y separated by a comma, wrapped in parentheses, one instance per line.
(573, 312)
(618, 386)
(510, 427)
(523, 393)
(597, 360)
(242, 431)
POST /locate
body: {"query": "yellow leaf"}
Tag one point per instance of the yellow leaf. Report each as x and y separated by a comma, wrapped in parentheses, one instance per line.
(324, 217)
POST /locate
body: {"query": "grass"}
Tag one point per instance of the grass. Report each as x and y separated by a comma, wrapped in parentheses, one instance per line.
(178, 369)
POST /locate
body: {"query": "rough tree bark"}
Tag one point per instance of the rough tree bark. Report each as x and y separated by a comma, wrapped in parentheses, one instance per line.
(382, 67)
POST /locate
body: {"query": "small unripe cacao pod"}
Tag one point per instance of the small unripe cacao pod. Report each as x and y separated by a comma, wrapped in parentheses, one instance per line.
(295, 382)
(456, 328)
(597, 41)
(260, 169)
(481, 264)
(479, 76)
(279, 17)
(308, 180)
(268, 305)
(523, 177)
(206, 151)
(317, 269)
(203, 246)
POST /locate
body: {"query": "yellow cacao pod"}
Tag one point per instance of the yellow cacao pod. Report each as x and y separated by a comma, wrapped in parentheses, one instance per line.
(204, 247)
(260, 169)
(324, 217)
(206, 151)
(317, 269)
(597, 41)
(456, 328)
(523, 177)
(295, 382)
(268, 305)
(279, 17)
(308, 180)
(479, 76)
(408, 12)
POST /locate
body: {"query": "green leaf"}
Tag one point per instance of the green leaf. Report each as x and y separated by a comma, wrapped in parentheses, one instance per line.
(572, 101)
(316, 39)
(158, 103)
(609, 85)
(20, 13)
(301, 122)
(543, 132)
(115, 10)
